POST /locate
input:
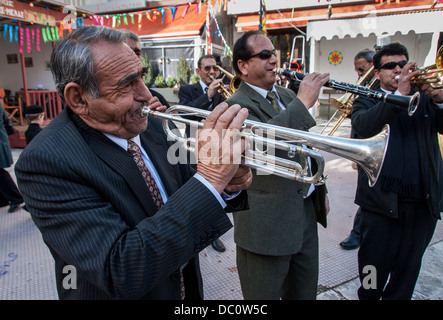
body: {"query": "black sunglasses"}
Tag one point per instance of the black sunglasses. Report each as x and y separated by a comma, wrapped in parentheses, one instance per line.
(361, 69)
(393, 64)
(207, 68)
(264, 54)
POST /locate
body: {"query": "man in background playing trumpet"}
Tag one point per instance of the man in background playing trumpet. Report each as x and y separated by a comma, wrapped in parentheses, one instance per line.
(203, 94)
(277, 242)
(400, 212)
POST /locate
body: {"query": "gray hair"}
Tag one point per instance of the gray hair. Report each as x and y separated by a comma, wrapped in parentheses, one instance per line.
(71, 59)
(366, 54)
(130, 35)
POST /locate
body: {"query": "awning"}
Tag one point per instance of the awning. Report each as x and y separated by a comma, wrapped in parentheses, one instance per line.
(281, 20)
(287, 19)
(169, 26)
(419, 22)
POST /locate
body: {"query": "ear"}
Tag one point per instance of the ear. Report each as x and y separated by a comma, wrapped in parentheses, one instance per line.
(376, 73)
(243, 67)
(76, 98)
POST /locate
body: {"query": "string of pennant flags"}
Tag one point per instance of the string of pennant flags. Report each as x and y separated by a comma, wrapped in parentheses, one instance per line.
(37, 33)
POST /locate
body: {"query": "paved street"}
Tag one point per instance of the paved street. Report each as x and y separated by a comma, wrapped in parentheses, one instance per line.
(26, 266)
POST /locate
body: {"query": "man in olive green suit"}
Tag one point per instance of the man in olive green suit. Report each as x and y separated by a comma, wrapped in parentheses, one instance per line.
(277, 241)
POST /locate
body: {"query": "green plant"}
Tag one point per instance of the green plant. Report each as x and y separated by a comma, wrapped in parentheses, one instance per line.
(195, 78)
(172, 81)
(160, 81)
(149, 77)
(183, 71)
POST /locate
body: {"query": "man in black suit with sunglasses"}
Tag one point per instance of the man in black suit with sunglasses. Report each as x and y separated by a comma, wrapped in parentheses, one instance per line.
(277, 242)
(203, 94)
(399, 213)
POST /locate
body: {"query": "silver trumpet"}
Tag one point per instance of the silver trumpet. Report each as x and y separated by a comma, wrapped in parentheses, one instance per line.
(368, 153)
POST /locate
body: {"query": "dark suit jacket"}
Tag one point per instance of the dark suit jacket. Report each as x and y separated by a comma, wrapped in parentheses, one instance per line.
(192, 95)
(274, 223)
(89, 200)
(368, 118)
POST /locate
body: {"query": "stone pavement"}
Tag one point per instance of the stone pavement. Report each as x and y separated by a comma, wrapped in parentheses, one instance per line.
(27, 267)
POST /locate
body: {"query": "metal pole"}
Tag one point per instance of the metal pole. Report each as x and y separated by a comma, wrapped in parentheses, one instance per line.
(260, 26)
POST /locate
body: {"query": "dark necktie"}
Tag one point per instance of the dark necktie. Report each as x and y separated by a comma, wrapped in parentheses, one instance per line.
(134, 150)
(274, 100)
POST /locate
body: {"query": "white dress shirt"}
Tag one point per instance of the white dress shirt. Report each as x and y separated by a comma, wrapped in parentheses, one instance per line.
(123, 143)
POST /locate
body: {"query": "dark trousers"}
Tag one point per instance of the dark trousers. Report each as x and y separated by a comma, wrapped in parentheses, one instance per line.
(290, 277)
(9, 192)
(355, 233)
(395, 247)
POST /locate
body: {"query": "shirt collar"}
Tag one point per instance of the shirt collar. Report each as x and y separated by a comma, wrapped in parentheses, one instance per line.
(262, 91)
(123, 143)
(203, 85)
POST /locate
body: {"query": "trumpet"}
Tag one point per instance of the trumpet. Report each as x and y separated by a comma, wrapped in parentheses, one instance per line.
(235, 80)
(368, 153)
(222, 90)
(409, 102)
(431, 74)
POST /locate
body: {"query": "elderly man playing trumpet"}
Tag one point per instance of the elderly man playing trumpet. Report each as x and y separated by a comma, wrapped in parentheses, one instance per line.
(99, 186)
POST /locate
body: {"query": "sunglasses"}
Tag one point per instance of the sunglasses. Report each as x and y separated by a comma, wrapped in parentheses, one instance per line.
(208, 68)
(362, 69)
(393, 64)
(264, 54)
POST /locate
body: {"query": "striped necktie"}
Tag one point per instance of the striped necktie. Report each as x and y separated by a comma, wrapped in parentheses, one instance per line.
(134, 150)
(274, 100)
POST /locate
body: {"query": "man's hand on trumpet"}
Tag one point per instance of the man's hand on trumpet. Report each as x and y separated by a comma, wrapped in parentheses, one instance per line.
(155, 105)
(435, 94)
(219, 149)
(214, 87)
(404, 78)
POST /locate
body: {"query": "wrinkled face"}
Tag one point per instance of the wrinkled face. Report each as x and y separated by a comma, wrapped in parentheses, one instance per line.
(207, 69)
(122, 92)
(256, 70)
(387, 76)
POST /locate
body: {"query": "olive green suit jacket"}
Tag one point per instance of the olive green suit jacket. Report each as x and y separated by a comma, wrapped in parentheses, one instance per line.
(273, 225)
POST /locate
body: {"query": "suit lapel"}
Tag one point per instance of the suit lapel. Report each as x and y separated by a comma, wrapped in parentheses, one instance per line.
(119, 160)
(124, 165)
(284, 96)
(263, 104)
(157, 150)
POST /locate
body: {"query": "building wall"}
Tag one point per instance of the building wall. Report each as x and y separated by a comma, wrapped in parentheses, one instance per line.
(418, 46)
(11, 74)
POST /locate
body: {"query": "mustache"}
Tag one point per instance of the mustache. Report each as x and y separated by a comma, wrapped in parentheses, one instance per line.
(140, 108)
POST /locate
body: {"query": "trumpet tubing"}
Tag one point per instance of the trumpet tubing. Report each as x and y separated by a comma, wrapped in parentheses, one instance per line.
(222, 90)
(235, 80)
(431, 75)
(368, 153)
